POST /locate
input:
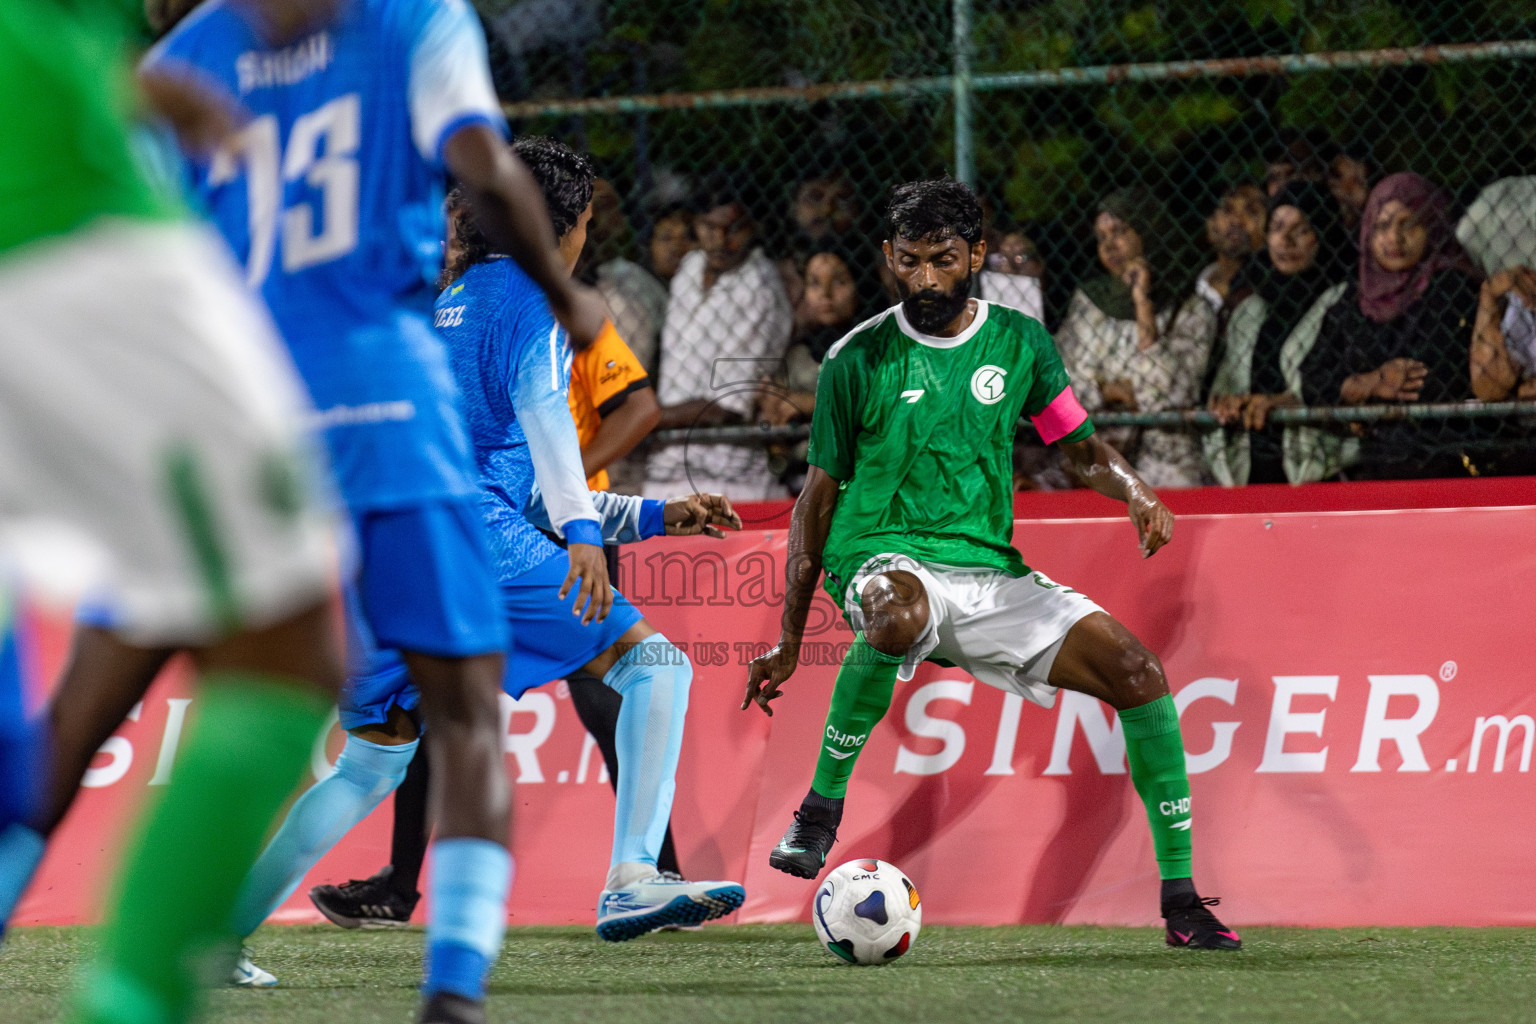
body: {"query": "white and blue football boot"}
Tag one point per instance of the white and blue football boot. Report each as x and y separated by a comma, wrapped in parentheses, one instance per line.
(248, 975)
(660, 900)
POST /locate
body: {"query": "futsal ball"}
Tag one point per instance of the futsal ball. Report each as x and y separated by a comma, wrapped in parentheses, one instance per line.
(867, 912)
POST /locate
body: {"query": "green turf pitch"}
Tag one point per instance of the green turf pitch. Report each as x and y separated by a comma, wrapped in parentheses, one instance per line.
(779, 974)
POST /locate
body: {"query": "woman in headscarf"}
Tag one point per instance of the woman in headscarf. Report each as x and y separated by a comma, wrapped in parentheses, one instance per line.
(1402, 333)
(1267, 336)
(1133, 342)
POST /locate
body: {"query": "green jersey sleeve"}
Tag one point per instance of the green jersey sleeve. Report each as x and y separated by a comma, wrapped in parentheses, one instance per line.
(835, 422)
(1050, 404)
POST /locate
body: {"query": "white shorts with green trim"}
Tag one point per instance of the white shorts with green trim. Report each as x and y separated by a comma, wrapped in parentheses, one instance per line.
(1004, 630)
(148, 405)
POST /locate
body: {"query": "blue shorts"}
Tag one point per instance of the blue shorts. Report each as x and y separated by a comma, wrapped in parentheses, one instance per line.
(426, 582)
(425, 585)
(376, 677)
(548, 643)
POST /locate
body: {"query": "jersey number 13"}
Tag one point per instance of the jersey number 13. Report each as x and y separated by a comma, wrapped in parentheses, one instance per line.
(322, 151)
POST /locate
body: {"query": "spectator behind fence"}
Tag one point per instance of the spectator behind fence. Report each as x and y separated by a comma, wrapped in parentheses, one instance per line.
(1402, 332)
(834, 303)
(671, 239)
(822, 211)
(727, 326)
(1235, 231)
(637, 305)
(1295, 155)
(1268, 335)
(1349, 175)
(1131, 342)
(637, 301)
(1499, 232)
(1011, 275)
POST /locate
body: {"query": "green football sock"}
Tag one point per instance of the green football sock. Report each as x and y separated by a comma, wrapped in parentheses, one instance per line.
(860, 698)
(1156, 753)
(168, 931)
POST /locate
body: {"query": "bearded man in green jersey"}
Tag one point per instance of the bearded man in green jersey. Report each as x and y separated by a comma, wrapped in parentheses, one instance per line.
(909, 508)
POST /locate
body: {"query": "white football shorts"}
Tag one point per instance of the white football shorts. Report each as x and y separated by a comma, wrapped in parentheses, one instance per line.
(1004, 630)
(148, 405)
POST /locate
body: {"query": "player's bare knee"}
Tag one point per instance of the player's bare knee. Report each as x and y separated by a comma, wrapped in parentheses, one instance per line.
(1138, 678)
(895, 609)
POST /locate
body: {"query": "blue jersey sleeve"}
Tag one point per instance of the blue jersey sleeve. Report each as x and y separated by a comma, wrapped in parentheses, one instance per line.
(450, 77)
(625, 517)
(537, 375)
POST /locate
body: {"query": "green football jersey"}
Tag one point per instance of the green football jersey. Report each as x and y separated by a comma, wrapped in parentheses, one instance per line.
(919, 432)
(66, 101)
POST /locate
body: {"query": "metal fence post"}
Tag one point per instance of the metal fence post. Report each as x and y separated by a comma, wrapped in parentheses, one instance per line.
(965, 163)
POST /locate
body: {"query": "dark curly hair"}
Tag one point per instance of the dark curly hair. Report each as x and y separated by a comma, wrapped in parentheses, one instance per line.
(471, 245)
(933, 211)
(564, 176)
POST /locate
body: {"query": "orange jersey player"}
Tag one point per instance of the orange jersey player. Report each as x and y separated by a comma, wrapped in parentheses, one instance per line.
(612, 402)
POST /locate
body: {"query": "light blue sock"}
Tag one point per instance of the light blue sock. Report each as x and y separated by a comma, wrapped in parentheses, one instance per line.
(21, 851)
(364, 775)
(468, 894)
(653, 677)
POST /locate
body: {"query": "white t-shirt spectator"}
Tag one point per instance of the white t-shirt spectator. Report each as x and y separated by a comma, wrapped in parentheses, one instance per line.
(719, 344)
(1016, 290)
(637, 304)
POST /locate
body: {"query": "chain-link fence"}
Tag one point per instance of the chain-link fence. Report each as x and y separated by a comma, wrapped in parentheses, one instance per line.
(1176, 190)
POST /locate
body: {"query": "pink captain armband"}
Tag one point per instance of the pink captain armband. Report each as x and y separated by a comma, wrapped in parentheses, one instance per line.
(1064, 415)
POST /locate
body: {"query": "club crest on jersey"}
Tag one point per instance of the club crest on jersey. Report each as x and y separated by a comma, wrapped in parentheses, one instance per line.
(987, 384)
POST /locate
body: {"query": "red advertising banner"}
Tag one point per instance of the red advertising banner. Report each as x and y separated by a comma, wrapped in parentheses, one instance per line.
(1355, 690)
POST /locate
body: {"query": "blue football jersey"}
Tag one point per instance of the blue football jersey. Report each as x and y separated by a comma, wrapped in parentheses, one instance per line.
(334, 204)
(512, 363)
